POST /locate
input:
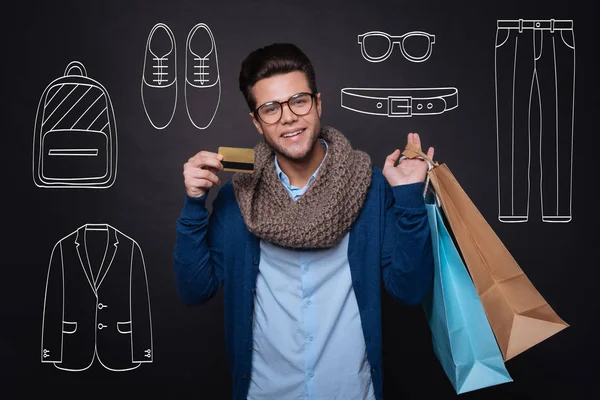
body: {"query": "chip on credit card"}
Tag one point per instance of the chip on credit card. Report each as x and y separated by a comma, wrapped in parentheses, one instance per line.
(237, 159)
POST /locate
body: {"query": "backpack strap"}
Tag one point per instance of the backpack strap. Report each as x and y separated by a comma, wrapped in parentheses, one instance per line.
(75, 65)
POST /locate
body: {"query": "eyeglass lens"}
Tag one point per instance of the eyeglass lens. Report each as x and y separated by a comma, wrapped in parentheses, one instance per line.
(299, 104)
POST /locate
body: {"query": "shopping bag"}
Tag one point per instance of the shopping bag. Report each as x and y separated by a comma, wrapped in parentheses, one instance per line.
(518, 314)
(462, 338)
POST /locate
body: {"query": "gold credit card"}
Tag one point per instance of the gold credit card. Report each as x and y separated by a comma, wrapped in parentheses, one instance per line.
(237, 159)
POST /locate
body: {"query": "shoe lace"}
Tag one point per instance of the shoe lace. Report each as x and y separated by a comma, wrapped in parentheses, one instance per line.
(200, 69)
(160, 67)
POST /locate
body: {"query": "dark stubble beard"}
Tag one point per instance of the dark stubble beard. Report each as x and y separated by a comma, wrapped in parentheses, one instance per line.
(282, 152)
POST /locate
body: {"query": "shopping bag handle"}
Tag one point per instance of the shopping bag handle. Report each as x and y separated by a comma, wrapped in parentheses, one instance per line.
(414, 151)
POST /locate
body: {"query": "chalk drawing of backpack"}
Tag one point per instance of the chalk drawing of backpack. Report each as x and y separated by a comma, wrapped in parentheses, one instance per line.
(75, 137)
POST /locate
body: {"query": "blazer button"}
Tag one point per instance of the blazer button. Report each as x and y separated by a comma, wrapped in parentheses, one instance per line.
(244, 376)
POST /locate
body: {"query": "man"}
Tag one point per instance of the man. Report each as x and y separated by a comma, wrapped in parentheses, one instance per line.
(301, 244)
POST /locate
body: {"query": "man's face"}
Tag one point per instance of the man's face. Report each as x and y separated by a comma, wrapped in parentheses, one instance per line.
(293, 136)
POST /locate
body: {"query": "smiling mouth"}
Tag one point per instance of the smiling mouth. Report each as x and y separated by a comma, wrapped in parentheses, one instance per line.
(292, 134)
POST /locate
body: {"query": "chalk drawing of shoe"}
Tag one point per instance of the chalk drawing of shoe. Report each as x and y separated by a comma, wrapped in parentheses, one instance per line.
(159, 77)
(202, 81)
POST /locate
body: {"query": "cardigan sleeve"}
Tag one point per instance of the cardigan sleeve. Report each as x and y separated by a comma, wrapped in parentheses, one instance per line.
(198, 253)
(407, 256)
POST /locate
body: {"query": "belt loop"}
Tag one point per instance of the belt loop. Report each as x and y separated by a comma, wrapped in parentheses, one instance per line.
(520, 25)
(552, 26)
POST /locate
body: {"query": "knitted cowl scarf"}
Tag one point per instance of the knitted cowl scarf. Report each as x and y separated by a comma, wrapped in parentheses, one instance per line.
(325, 212)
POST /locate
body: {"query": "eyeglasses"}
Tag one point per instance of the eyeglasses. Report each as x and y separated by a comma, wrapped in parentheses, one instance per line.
(377, 46)
(271, 112)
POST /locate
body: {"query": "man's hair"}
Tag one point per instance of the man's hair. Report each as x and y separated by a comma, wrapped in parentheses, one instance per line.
(274, 59)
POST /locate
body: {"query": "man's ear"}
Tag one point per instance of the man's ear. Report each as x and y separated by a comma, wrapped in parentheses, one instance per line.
(256, 123)
(318, 101)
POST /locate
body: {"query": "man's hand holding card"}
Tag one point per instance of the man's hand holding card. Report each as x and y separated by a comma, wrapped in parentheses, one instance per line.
(200, 172)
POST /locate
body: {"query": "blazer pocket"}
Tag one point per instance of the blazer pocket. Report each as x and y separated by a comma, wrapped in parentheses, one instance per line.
(124, 327)
(69, 327)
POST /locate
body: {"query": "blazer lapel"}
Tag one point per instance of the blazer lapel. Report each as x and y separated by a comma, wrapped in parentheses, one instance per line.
(111, 251)
(79, 239)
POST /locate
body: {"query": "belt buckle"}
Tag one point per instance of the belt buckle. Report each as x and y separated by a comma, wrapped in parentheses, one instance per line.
(399, 106)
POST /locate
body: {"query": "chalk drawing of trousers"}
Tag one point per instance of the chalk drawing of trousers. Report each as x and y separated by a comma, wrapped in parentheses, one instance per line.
(535, 86)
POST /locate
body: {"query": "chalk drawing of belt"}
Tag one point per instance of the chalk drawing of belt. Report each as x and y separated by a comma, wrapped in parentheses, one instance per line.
(404, 102)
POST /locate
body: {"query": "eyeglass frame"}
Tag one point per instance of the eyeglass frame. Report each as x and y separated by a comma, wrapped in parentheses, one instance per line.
(281, 103)
(396, 39)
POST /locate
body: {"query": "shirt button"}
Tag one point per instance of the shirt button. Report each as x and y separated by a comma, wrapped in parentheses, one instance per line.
(308, 302)
(312, 374)
(311, 338)
(306, 268)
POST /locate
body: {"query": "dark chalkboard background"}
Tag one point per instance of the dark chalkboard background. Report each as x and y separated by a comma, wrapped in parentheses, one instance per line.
(109, 38)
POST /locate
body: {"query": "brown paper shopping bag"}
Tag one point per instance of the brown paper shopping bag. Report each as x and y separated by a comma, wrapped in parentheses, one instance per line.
(518, 314)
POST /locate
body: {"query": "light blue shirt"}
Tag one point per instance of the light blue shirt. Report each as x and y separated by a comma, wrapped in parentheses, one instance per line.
(294, 191)
(308, 339)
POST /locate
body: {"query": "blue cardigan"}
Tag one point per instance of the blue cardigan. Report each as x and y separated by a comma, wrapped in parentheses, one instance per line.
(390, 240)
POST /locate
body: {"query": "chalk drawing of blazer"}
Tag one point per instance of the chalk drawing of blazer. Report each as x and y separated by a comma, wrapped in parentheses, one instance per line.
(96, 308)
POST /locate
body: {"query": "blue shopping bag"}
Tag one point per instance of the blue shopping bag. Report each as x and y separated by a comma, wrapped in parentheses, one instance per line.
(462, 337)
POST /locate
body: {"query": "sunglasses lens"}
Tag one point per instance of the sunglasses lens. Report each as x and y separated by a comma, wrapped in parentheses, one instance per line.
(416, 46)
(376, 46)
